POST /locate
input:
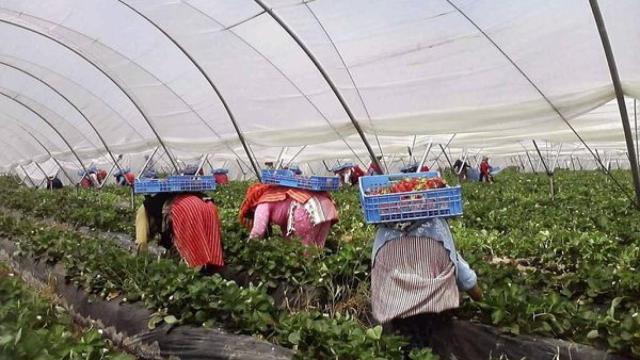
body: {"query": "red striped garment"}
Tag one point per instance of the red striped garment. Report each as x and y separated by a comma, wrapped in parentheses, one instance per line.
(411, 276)
(196, 231)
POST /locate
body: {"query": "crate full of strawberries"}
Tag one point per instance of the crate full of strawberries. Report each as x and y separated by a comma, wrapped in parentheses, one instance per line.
(408, 197)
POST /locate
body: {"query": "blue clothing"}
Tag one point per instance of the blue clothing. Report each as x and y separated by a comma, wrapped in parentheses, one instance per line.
(436, 229)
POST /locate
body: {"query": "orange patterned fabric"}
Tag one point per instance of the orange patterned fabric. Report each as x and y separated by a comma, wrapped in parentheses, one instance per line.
(263, 193)
(196, 231)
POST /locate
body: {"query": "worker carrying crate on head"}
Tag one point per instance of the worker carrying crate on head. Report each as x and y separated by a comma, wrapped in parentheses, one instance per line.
(416, 271)
(348, 173)
(89, 178)
(124, 177)
(299, 212)
(221, 176)
(188, 222)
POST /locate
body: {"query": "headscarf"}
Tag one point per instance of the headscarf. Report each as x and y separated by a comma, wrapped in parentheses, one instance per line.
(262, 193)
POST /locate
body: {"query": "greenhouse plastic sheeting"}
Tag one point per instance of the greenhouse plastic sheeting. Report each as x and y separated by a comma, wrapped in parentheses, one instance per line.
(404, 67)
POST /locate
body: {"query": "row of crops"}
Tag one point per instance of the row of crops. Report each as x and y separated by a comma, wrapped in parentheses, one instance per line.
(563, 268)
(33, 326)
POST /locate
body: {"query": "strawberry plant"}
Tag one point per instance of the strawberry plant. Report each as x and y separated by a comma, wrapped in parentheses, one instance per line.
(32, 327)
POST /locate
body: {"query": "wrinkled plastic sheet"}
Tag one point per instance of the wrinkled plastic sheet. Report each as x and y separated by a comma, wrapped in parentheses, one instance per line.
(127, 323)
(465, 340)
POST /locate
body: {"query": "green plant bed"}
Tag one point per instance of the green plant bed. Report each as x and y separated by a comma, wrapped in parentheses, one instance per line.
(563, 267)
(33, 327)
(184, 297)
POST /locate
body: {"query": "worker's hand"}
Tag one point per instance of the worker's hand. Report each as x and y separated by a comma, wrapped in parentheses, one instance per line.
(475, 293)
(141, 248)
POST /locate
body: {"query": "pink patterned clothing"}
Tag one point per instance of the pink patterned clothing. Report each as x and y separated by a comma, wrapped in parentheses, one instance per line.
(310, 222)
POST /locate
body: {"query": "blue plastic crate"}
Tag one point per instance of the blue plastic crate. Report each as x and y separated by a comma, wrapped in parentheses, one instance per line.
(408, 206)
(220, 171)
(341, 167)
(409, 168)
(290, 179)
(174, 184)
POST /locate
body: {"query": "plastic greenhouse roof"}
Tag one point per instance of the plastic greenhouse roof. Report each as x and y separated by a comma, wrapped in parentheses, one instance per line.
(128, 73)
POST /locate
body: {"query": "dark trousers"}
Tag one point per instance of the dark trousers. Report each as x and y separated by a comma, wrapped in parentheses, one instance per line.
(425, 330)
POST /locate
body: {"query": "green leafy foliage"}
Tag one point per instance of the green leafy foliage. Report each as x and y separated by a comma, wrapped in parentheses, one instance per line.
(179, 295)
(32, 327)
(551, 267)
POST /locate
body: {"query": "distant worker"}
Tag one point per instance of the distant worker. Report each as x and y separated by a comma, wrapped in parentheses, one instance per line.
(268, 165)
(54, 183)
(188, 222)
(460, 168)
(306, 214)
(295, 168)
(124, 177)
(101, 175)
(149, 174)
(192, 170)
(374, 169)
(221, 177)
(89, 178)
(485, 171)
(348, 173)
(415, 278)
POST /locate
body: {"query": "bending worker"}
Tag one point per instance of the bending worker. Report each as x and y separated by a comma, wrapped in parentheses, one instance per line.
(348, 173)
(485, 170)
(415, 278)
(306, 214)
(54, 183)
(124, 177)
(89, 178)
(221, 177)
(188, 222)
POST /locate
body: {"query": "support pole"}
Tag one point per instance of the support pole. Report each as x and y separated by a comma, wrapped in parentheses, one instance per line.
(50, 125)
(146, 163)
(546, 168)
(425, 155)
(26, 174)
(104, 143)
(46, 177)
(524, 168)
(201, 164)
(555, 162)
(295, 155)
(446, 146)
(444, 151)
(326, 166)
(104, 182)
(464, 162)
(530, 161)
(544, 163)
(635, 117)
(232, 118)
(615, 79)
(102, 71)
(326, 77)
(50, 154)
(413, 146)
(283, 151)
(241, 169)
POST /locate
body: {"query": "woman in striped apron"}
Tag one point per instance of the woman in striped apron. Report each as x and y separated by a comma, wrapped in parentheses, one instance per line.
(415, 279)
(189, 222)
(306, 214)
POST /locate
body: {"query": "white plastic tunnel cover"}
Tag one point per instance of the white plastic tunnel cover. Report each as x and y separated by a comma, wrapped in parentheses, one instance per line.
(136, 70)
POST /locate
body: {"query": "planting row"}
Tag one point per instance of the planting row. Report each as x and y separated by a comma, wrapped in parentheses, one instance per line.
(539, 260)
(107, 270)
(33, 327)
